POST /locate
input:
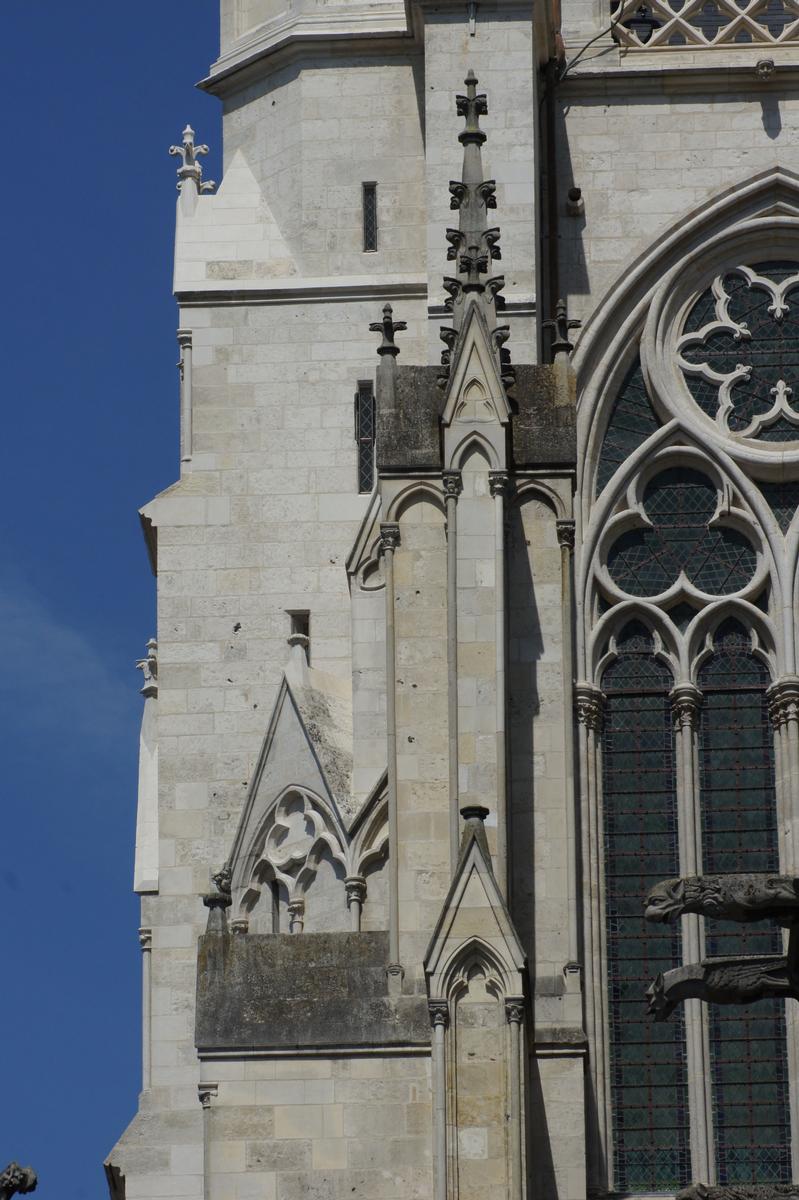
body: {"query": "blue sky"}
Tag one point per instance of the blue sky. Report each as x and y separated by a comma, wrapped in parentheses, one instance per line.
(94, 95)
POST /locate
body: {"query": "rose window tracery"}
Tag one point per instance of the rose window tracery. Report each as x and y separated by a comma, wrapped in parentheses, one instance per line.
(739, 351)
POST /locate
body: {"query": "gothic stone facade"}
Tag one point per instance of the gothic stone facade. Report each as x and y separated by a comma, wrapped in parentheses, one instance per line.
(439, 692)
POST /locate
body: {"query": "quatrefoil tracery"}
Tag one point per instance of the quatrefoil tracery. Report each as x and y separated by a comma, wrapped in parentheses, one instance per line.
(739, 351)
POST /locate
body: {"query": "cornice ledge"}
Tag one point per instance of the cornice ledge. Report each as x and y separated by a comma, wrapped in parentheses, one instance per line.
(717, 78)
(246, 57)
(293, 291)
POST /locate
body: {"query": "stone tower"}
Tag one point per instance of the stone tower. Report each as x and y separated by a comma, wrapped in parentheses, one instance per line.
(476, 606)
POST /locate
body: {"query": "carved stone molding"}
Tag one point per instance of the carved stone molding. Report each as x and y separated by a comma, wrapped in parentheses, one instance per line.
(389, 536)
(439, 1012)
(452, 482)
(498, 483)
(686, 701)
(206, 1092)
(783, 701)
(565, 532)
(590, 703)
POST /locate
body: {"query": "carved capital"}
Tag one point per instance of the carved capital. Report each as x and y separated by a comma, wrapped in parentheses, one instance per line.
(184, 338)
(355, 889)
(146, 938)
(296, 910)
(686, 701)
(783, 701)
(590, 703)
(389, 536)
(206, 1092)
(514, 1010)
(498, 483)
(452, 482)
(240, 926)
(439, 1012)
(565, 531)
(17, 1179)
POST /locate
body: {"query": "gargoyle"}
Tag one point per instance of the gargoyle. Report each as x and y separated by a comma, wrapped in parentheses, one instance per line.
(741, 898)
(741, 1191)
(721, 981)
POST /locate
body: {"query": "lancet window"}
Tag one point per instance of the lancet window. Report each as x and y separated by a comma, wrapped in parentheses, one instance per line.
(689, 562)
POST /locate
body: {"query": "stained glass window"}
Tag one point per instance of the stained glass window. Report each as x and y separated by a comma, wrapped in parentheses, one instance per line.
(647, 1060)
(365, 434)
(681, 503)
(744, 371)
(783, 500)
(369, 201)
(632, 420)
(739, 833)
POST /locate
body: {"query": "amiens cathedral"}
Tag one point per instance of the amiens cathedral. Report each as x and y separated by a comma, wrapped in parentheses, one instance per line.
(477, 608)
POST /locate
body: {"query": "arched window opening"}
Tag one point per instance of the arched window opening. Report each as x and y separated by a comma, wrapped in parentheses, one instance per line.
(739, 833)
(648, 1072)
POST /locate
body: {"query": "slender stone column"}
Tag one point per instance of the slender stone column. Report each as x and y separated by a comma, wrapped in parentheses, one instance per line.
(589, 705)
(783, 707)
(686, 702)
(783, 703)
(498, 482)
(565, 530)
(453, 486)
(146, 943)
(355, 888)
(185, 367)
(206, 1093)
(439, 1019)
(390, 539)
(514, 1013)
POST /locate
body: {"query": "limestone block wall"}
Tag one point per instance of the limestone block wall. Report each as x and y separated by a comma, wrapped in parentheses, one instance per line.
(422, 745)
(313, 135)
(647, 156)
(537, 765)
(294, 1129)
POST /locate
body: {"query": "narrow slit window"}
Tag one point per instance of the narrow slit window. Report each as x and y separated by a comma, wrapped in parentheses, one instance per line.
(365, 434)
(369, 203)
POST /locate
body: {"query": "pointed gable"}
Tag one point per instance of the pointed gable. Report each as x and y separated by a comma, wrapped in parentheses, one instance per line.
(476, 393)
(474, 924)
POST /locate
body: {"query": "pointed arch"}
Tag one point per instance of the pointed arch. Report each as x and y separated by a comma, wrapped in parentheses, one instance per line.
(415, 493)
(470, 442)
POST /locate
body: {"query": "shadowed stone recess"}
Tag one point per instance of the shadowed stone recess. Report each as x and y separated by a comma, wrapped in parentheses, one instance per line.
(277, 991)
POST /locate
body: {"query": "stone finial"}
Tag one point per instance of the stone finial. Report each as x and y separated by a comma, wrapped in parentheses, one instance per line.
(471, 106)
(561, 327)
(190, 168)
(149, 668)
(388, 327)
(17, 1179)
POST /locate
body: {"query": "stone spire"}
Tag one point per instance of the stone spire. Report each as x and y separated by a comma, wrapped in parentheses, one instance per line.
(190, 173)
(474, 245)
